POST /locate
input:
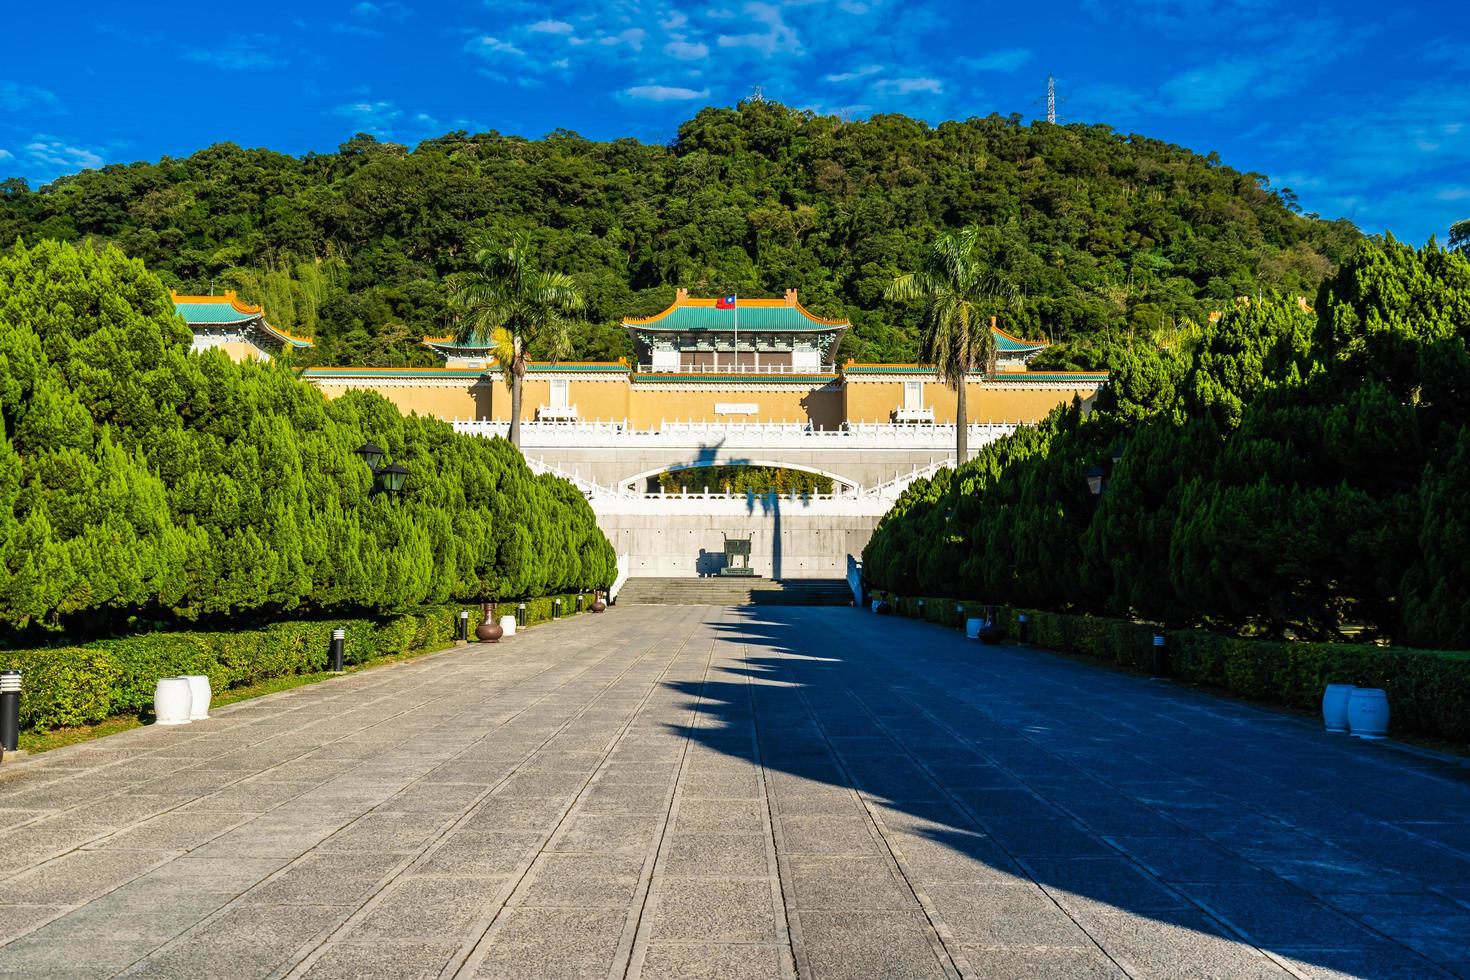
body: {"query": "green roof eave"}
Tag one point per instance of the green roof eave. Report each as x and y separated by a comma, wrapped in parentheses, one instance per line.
(780, 319)
(213, 314)
(370, 373)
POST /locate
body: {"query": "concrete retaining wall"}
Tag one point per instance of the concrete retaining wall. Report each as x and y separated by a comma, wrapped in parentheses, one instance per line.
(789, 539)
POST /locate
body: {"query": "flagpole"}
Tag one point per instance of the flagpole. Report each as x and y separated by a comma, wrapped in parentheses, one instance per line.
(736, 351)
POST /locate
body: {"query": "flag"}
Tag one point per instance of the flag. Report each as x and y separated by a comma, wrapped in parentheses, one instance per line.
(725, 302)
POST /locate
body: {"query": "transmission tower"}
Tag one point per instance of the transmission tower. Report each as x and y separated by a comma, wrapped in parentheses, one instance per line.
(1051, 100)
(758, 95)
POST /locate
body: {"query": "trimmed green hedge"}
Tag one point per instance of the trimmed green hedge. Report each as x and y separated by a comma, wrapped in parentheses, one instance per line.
(1428, 690)
(540, 610)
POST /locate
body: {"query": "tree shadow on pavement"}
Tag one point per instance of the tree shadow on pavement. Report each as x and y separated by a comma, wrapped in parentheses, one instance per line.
(1175, 829)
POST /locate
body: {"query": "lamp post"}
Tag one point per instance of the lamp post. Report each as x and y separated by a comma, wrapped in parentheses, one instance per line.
(387, 479)
(10, 683)
(1096, 480)
(392, 477)
(370, 454)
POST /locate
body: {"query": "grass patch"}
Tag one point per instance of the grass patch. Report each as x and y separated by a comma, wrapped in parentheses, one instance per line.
(34, 742)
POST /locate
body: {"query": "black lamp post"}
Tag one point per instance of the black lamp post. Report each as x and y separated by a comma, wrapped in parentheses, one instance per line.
(370, 454)
(388, 479)
(392, 477)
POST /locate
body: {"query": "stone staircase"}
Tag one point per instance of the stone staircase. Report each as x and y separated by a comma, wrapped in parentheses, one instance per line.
(735, 592)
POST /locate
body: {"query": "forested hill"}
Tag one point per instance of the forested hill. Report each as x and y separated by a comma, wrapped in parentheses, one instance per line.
(1109, 236)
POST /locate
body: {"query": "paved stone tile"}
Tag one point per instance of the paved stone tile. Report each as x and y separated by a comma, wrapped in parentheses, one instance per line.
(477, 853)
(16, 920)
(892, 945)
(716, 961)
(827, 835)
(715, 855)
(48, 958)
(1041, 808)
(78, 876)
(401, 832)
(624, 835)
(989, 963)
(582, 881)
(1196, 860)
(1177, 944)
(553, 944)
(846, 883)
(1005, 915)
(382, 960)
(1109, 883)
(714, 909)
(430, 908)
(720, 816)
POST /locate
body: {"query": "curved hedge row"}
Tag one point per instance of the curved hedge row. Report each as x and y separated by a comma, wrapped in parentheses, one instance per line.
(142, 484)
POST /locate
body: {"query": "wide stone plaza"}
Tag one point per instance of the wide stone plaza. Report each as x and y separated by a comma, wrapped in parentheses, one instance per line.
(736, 792)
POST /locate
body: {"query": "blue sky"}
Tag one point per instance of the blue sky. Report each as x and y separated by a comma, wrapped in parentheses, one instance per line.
(1362, 108)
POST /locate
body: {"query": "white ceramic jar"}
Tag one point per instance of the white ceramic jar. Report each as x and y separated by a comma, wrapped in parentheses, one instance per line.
(508, 623)
(1367, 713)
(972, 627)
(200, 695)
(173, 701)
(1335, 705)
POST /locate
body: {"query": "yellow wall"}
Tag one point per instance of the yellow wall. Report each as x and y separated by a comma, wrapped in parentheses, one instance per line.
(606, 400)
(241, 350)
(647, 408)
(445, 403)
(1019, 404)
(875, 401)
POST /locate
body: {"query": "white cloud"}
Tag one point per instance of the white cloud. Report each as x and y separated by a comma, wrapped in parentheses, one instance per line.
(550, 27)
(778, 35)
(856, 73)
(686, 50)
(243, 52)
(376, 118)
(52, 152)
(488, 45)
(633, 37)
(6, 155)
(909, 86)
(664, 93)
(14, 97)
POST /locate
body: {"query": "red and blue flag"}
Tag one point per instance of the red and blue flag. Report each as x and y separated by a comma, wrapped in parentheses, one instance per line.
(725, 302)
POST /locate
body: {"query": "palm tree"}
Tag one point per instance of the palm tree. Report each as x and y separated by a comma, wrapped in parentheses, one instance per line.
(503, 296)
(958, 292)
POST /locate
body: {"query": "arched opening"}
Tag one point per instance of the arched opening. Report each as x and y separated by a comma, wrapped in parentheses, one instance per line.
(742, 475)
(739, 479)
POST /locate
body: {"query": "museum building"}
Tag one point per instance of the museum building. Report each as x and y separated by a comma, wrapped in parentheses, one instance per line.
(700, 360)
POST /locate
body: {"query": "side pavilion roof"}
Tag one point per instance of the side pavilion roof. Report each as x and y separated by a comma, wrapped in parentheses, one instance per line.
(227, 311)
